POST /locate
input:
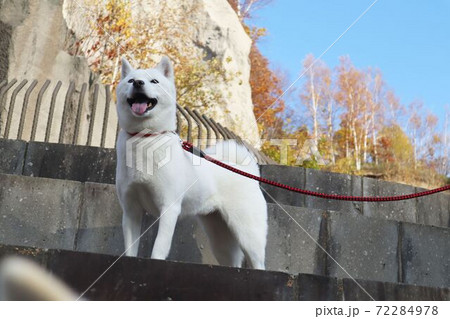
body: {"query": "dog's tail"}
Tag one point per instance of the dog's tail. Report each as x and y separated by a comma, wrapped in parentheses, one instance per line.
(234, 154)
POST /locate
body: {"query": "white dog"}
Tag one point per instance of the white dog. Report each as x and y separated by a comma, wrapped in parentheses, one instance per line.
(230, 207)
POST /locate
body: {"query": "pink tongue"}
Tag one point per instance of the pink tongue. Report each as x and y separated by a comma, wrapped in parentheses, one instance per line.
(139, 108)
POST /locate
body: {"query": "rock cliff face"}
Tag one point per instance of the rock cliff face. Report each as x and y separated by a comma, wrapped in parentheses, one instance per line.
(221, 33)
(35, 35)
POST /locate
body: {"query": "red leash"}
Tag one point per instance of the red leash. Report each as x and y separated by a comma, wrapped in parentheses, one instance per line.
(190, 148)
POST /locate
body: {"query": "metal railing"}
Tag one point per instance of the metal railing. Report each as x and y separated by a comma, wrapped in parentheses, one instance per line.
(42, 119)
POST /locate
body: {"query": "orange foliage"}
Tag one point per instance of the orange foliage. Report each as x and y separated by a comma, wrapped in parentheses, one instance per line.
(266, 89)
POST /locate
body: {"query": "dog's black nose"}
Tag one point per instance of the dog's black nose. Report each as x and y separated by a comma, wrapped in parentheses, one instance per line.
(138, 83)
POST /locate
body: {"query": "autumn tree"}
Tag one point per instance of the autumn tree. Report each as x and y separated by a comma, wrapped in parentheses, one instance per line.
(396, 152)
(394, 108)
(318, 96)
(444, 160)
(416, 128)
(312, 92)
(267, 106)
(245, 8)
(374, 116)
(266, 90)
(352, 96)
(330, 111)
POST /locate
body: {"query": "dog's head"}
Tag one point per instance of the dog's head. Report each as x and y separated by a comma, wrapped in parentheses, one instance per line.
(146, 99)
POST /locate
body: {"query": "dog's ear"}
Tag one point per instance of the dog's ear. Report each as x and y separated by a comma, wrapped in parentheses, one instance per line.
(126, 68)
(166, 68)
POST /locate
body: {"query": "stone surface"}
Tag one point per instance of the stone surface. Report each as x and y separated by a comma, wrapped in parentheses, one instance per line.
(434, 209)
(318, 288)
(39, 212)
(144, 279)
(365, 247)
(291, 242)
(292, 176)
(188, 243)
(69, 162)
(12, 156)
(221, 34)
(72, 162)
(32, 52)
(383, 291)
(336, 184)
(399, 210)
(100, 228)
(5, 42)
(425, 253)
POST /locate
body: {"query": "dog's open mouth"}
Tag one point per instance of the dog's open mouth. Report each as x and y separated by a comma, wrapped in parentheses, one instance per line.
(141, 103)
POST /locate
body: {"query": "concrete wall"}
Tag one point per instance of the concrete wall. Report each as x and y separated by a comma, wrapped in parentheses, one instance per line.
(430, 210)
(143, 279)
(54, 213)
(81, 163)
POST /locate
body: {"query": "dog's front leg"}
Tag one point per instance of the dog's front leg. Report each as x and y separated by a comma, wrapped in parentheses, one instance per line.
(131, 225)
(166, 228)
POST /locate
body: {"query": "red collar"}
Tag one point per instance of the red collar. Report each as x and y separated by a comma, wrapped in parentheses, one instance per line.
(150, 134)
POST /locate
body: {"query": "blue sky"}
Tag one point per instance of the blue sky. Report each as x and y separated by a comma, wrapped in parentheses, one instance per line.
(408, 40)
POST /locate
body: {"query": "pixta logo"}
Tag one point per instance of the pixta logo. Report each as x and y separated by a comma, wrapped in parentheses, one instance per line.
(148, 154)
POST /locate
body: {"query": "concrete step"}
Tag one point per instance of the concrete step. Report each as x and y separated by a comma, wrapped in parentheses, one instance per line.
(93, 164)
(146, 279)
(432, 210)
(63, 214)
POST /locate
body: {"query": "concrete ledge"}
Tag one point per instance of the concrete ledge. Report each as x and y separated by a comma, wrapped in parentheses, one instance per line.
(320, 288)
(292, 176)
(365, 247)
(145, 279)
(93, 164)
(12, 154)
(39, 212)
(382, 291)
(333, 183)
(433, 210)
(87, 217)
(425, 253)
(404, 210)
(71, 162)
(291, 240)
(100, 228)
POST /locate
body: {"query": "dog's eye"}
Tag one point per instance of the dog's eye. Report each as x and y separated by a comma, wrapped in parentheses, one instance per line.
(131, 81)
(154, 81)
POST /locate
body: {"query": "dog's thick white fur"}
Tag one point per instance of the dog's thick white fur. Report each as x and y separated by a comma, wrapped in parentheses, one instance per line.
(230, 207)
